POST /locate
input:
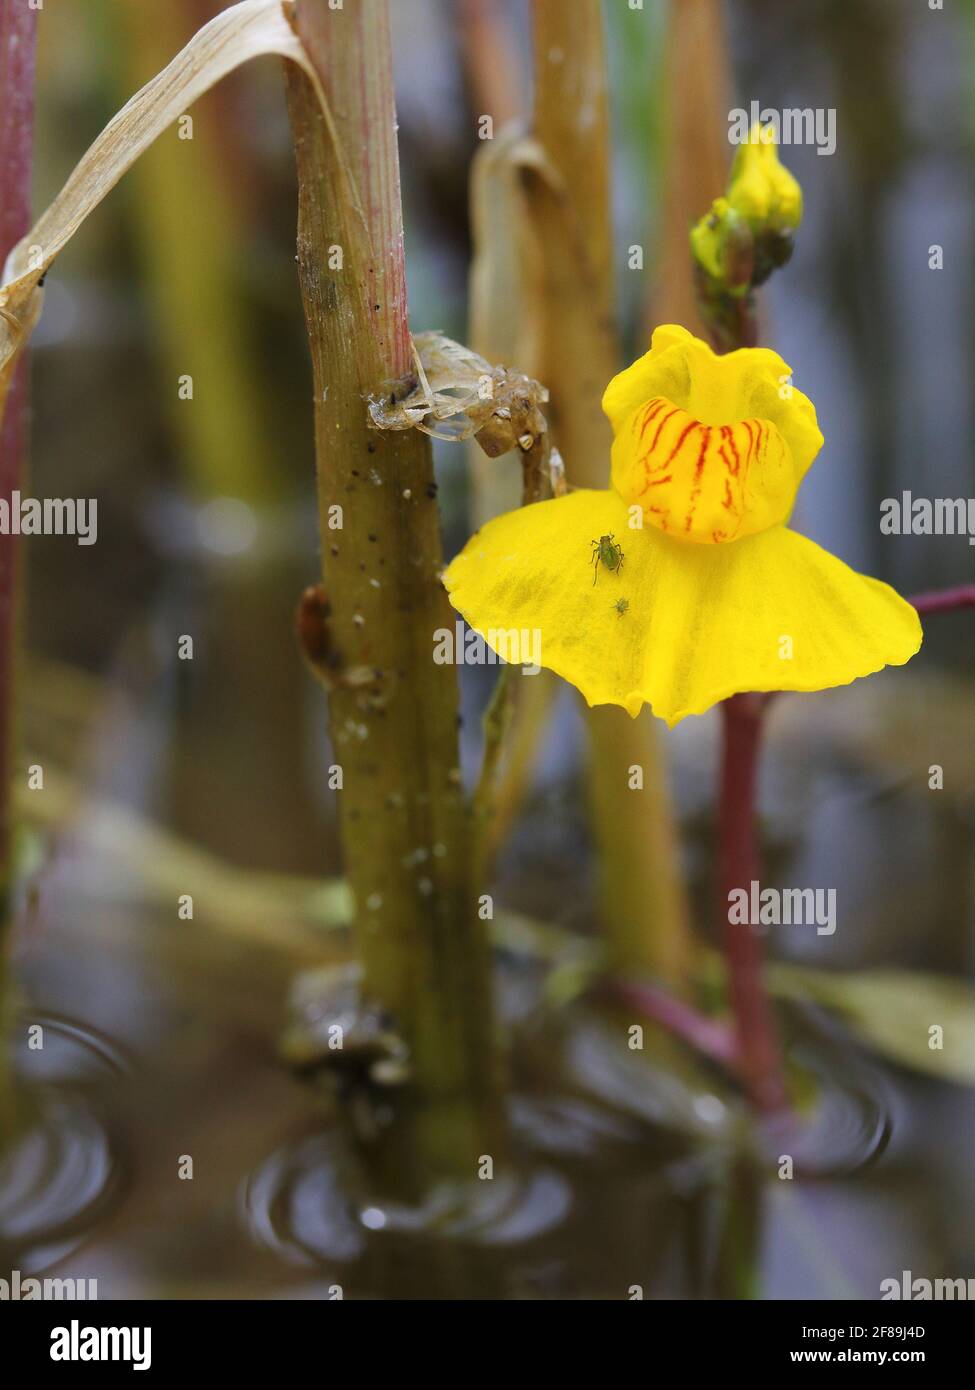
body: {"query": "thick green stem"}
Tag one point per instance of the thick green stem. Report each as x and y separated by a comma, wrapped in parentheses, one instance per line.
(393, 710)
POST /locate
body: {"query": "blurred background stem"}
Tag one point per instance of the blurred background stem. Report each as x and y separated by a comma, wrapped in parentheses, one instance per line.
(189, 239)
(18, 38)
(697, 155)
(644, 907)
(194, 225)
(405, 832)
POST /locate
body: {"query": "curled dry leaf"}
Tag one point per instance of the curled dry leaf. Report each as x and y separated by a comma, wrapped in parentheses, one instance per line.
(248, 30)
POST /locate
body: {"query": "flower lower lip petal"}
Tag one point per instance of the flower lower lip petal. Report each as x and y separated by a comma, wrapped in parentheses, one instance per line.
(771, 612)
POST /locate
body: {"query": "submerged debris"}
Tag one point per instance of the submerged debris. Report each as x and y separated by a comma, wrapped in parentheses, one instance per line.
(333, 1034)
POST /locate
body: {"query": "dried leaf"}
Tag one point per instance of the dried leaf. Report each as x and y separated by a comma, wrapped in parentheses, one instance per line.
(245, 31)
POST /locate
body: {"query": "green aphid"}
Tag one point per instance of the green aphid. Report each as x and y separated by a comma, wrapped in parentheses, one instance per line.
(607, 551)
(621, 605)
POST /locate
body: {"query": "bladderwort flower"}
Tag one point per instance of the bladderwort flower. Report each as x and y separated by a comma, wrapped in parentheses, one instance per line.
(682, 584)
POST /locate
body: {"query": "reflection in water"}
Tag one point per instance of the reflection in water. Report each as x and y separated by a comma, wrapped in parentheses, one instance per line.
(298, 1204)
(61, 1175)
(848, 1122)
(620, 1167)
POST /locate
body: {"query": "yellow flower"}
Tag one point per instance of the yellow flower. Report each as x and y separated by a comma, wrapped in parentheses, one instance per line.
(761, 189)
(699, 589)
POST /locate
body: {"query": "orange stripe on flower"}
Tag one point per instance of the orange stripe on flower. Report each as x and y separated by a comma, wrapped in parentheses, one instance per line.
(650, 412)
(701, 474)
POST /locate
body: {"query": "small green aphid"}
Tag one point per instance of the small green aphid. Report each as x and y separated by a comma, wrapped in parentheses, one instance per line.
(621, 605)
(611, 554)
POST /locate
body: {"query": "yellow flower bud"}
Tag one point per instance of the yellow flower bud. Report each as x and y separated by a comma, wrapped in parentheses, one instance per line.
(722, 245)
(762, 190)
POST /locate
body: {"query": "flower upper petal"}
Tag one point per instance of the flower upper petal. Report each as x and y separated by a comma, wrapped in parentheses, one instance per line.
(699, 623)
(712, 448)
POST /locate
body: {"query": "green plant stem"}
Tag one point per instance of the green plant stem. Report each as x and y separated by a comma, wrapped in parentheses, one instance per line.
(405, 832)
(503, 706)
(496, 722)
(644, 906)
(18, 39)
(735, 1273)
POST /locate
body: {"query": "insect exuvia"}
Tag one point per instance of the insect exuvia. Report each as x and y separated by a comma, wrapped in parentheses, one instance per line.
(607, 551)
(621, 605)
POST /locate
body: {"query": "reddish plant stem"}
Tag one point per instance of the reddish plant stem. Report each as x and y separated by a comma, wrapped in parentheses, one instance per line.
(738, 866)
(18, 36)
(760, 1059)
(712, 1039)
(945, 600)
